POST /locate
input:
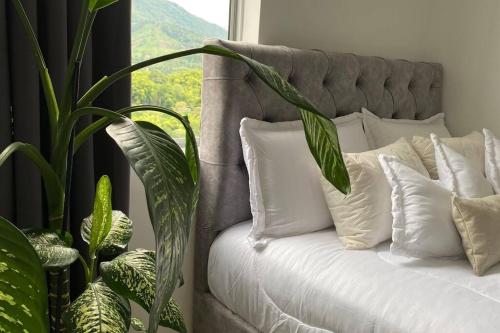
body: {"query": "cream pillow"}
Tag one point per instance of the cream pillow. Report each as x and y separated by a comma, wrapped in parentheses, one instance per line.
(458, 173)
(492, 159)
(363, 218)
(380, 132)
(478, 223)
(470, 146)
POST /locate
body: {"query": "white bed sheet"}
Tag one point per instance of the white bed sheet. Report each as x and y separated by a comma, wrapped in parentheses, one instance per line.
(309, 283)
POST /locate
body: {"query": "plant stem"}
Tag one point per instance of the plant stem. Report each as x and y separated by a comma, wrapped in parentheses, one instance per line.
(61, 301)
(69, 156)
(81, 37)
(66, 128)
(93, 268)
(85, 268)
(64, 303)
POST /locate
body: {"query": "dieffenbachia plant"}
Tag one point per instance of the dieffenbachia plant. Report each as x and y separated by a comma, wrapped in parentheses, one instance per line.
(104, 306)
(169, 174)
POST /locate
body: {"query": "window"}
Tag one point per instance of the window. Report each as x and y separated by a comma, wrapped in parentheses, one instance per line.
(164, 26)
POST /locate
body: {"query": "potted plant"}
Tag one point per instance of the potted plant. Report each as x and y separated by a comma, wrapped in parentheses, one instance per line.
(171, 180)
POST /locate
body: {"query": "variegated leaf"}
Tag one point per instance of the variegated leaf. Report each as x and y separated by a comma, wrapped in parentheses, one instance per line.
(23, 289)
(132, 275)
(101, 217)
(118, 237)
(171, 195)
(51, 249)
(137, 325)
(321, 133)
(98, 310)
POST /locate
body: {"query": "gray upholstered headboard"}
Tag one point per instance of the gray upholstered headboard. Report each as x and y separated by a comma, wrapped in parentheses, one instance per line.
(337, 83)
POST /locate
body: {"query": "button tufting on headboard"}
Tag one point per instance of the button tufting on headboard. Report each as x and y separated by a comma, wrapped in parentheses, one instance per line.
(337, 83)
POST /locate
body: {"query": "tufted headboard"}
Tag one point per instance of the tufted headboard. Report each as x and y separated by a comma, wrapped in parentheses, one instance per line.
(337, 83)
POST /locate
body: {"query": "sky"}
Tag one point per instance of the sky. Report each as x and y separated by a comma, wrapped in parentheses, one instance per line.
(214, 11)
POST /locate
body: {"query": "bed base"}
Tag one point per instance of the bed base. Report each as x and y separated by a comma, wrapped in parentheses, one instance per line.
(211, 316)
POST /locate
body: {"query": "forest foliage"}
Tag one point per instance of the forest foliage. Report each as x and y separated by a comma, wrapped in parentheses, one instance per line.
(175, 84)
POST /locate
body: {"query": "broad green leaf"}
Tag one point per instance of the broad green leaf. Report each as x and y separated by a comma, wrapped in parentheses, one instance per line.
(191, 144)
(99, 4)
(171, 195)
(52, 250)
(101, 217)
(132, 275)
(118, 237)
(137, 325)
(321, 133)
(23, 290)
(98, 310)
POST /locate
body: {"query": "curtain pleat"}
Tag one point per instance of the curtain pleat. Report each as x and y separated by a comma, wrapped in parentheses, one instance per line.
(25, 101)
(7, 193)
(21, 99)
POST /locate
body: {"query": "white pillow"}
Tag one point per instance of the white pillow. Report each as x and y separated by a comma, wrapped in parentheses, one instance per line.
(381, 132)
(363, 217)
(459, 174)
(492, 159)
(285, 191)
(422, 223)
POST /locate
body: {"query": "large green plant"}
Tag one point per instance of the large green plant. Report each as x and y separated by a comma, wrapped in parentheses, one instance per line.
(171, 181)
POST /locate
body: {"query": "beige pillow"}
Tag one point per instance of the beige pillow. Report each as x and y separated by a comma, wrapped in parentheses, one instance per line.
(470, 146)
(478, 222)
(363, 218)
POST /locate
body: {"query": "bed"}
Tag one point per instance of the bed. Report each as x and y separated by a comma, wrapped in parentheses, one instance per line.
(308, 283)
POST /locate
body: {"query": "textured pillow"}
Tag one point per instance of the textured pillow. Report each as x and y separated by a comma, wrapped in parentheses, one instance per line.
(422, 223)
(492, 159)
(285, 190)
(470, 146)
(381, 132)
(478, 223)
(363, 218)
(459, 174)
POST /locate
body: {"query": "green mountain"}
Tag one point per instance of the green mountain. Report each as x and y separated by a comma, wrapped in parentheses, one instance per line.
(161, 26)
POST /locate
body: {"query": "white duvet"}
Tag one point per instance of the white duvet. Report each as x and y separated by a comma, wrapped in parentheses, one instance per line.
(309, 283)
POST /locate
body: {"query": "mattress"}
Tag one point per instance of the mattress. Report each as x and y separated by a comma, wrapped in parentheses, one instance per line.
(310, 283)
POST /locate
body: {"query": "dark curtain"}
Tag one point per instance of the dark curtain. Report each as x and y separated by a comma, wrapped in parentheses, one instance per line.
(23, 116)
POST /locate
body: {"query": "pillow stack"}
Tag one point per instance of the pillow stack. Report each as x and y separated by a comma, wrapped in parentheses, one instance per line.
(431, 194)
(477, 217)
(362, 218)
(425, 224)
(471, 146)
(285, 190)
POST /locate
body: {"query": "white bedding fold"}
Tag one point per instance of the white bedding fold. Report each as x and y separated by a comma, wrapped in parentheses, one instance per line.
(310, 284)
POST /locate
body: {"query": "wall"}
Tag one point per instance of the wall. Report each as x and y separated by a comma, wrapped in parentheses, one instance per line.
(247, 20)
(388, 28)
(143, 237)
(463, 35)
